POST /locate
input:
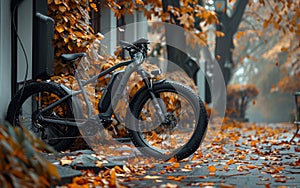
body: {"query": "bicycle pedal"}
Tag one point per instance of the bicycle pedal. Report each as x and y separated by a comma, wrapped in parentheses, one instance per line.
(105, 120)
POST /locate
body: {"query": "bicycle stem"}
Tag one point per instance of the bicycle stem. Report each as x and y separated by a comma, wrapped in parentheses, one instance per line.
(149, 84)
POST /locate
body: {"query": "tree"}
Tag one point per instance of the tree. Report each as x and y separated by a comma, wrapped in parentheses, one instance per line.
(174, 54)
(186, 13)
(229, 26)
(266, 56)
(239, 97)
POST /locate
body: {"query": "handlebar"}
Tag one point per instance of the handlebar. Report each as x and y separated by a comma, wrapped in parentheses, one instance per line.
(140, 45)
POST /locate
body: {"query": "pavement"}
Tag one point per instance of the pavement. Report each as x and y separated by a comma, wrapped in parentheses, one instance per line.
(240, 155)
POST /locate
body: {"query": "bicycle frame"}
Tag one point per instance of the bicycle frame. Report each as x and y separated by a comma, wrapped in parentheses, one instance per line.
(131, 66)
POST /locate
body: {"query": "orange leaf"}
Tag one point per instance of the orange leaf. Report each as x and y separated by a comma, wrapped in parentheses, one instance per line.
(281, 180)
(119, 169)
(79, 181)
(283, 49)
(57, 2)
(176, 165)
(220, 34)
(253, 143)
(226, 186)
(173, 159)
(62, 9)
(240, 168)
(212, 168)
(230, 161)
(59, 28)
(253, 158)
(226, 167)
(251, 166)
(93, 5)
(140, 2)
(113, 177)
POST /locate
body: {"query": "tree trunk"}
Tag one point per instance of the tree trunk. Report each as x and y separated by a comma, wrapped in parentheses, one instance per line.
(224, 45)
(175, 39)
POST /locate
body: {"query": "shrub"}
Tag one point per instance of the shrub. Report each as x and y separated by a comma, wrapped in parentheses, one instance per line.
(238, 98)
(20, 163)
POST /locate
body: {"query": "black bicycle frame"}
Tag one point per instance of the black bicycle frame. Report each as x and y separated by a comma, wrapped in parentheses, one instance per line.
(131, 66)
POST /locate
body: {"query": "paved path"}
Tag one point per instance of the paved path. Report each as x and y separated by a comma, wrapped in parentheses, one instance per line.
(241, 155)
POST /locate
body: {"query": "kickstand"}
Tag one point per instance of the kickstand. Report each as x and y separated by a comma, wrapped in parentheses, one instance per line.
(297, 123)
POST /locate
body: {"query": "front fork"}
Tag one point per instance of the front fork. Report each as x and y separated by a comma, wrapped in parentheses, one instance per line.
(148, 81)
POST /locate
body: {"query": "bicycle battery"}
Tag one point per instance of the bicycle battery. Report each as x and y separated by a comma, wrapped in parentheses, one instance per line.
(105, 100)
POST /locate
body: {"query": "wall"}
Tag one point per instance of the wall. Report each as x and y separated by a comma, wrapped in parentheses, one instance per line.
(5, 57)
(25, 33)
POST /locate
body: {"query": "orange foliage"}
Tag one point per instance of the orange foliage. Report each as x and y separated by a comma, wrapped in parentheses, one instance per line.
(20, 164)
(238, 97)
(291, 70)
(73, 32)
(186, 14)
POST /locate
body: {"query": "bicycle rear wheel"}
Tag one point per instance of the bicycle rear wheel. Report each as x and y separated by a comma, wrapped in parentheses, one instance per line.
(184, 127)
(26, 105)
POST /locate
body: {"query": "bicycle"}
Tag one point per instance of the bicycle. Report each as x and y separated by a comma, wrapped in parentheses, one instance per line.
(164, 119)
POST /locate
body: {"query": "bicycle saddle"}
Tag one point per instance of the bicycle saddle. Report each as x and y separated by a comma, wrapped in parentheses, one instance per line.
(141, 41)
(70, 58)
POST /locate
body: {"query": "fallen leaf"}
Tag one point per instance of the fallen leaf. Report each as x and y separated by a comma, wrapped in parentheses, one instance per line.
(281, 180)
(240, 168)
(65, 161)
(231, 161)
(99, 164)
(226, 167)
(297, 149)
(148, 177)
(113, 177)
(118, 169)
(222, 185)
(251, 166)
(253, 158)
(169, 185)
(176, 165)
(173, 159)
(212, 169)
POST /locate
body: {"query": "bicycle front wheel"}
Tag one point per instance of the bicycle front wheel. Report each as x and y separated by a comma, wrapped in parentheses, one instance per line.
(25, 107)
(182, 130)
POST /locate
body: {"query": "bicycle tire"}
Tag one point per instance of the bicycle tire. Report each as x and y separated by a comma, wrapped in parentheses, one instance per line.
(30, 99)
(134, 118)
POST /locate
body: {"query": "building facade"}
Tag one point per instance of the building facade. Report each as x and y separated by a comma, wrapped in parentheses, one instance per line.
(5, 56)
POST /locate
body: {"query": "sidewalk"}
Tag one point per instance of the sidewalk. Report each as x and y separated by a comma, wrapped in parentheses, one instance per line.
(235, 155)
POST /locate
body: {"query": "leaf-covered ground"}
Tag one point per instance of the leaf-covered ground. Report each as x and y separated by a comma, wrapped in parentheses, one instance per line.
(234, 155)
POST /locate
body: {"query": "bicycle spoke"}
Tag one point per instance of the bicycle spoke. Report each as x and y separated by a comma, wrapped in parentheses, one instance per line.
(167, 138)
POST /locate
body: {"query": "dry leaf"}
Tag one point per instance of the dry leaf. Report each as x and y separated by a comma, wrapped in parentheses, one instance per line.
(176, 165)
(212, 169)
(148, 177)
(173, 159)
(99, 164)
(113, 177)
